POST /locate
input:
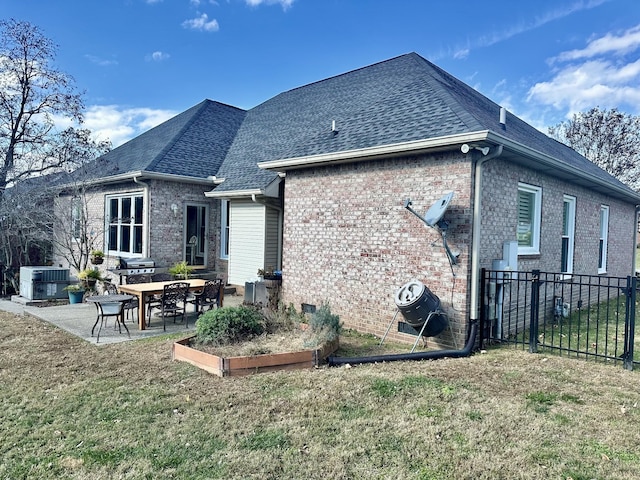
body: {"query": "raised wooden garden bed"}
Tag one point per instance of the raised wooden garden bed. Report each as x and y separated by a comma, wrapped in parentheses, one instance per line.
(247, 365)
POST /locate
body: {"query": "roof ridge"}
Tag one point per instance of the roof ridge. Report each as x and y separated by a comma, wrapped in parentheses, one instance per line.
(185, 128)
(437, 74)
(349, 72)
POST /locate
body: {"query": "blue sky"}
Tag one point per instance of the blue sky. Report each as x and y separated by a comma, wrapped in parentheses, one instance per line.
(143, 61)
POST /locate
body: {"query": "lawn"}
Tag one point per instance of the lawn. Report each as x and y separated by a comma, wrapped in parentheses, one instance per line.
(70, 409)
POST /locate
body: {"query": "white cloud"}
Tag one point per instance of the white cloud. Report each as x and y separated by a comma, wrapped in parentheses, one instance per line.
(157, 56)
(618, 45)
(284, 3)
(118, 124)
(516, 28)
(202, 23)
(598, 75)
(102, 62)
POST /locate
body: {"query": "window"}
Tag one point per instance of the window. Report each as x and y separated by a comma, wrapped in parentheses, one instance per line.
(529, 211)
(568, 233)
(604, 236)
(224, 229)
(76, 218)
(125, 223)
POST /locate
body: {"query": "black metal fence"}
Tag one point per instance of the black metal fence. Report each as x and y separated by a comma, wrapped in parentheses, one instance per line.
(584, 316)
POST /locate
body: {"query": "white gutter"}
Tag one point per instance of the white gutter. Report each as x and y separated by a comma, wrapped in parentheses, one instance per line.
(476, 227)
(449, 141)
(394, 149)
(234, 193)
(131, 176)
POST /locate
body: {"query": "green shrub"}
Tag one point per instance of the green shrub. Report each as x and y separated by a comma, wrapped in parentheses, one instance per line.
(228, 324)
(324, 327)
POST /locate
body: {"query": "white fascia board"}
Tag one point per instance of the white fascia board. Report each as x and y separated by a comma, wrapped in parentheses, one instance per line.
(141, 174)
(234, 193)
(394, 149)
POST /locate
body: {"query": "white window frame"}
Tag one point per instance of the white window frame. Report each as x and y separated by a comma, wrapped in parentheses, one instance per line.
(121, 223)
(534, 248)
(603, 239)
(570, 234)
(77, 215)
(224, 229)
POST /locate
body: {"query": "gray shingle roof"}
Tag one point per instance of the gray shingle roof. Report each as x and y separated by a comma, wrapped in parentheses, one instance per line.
(403, 99)
(193, 143)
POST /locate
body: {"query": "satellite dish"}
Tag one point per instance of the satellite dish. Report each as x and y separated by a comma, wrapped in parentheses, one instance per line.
(437, 210)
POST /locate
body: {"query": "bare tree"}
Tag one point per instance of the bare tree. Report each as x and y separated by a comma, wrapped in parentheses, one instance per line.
(608, 138)
(32, 94)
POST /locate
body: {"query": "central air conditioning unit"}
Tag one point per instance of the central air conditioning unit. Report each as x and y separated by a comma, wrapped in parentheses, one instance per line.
(43, 283)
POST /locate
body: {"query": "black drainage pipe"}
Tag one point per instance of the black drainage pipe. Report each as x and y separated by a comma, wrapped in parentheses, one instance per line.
(432, 355)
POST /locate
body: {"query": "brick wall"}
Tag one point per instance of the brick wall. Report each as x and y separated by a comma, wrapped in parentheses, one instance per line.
(499, 203)
(348, 239)
(166, 231)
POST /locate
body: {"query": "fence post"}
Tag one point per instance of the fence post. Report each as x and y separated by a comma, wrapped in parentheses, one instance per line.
(630, 322)
(483, 311)
(535, 311)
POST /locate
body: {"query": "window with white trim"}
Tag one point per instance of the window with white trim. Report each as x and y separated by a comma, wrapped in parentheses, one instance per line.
(568, 233)
(604, 238)
(77, 211)
(529, 214)
(125, 224)
(224, 229)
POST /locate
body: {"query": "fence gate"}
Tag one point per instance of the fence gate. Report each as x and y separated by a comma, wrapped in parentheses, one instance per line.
(583, 316)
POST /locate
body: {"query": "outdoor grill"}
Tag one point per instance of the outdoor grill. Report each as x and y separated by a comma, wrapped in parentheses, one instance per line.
(135, 266)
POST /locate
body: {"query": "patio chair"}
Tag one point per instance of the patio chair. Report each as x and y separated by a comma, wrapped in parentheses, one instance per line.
(173, 303)
(130, 306)
(208, 297)
(154, 301)
(106, 310)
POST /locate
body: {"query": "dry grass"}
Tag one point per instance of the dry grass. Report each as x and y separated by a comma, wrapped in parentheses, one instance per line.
(69, 409)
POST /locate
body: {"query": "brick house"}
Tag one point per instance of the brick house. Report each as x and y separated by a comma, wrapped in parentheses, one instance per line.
(315, 180)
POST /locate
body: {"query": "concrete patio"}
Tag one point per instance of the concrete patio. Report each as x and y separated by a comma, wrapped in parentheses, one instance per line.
(78, 319)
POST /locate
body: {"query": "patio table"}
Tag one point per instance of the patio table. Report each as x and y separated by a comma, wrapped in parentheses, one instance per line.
(144, 290)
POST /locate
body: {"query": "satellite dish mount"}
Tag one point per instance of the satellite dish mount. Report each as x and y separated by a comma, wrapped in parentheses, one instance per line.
(434, 218)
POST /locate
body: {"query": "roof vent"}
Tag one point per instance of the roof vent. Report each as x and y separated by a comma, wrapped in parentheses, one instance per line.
(503, 117)
(333, 127)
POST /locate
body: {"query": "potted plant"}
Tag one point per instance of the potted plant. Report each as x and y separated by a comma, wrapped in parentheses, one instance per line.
(97, 257)
(181, 270)
(89, 276)
(75, 292)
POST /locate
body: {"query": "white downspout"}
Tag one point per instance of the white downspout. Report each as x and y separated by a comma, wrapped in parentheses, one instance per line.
(147, 209)
(476, 230)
